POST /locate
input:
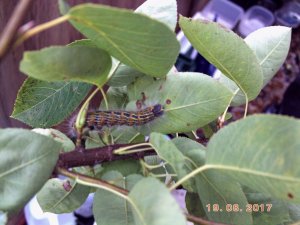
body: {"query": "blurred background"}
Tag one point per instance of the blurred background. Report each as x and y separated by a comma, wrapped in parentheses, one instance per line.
(281, 95)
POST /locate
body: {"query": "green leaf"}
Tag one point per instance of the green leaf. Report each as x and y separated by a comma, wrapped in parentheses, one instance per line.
(160, 169)
(136, 40)
(45, 104)
(165, 11)
(116, 97)
(261, 152)
(125, 135)
(62, 196)
(266, 210)
(194, 205)
(80, 62)
(168, 152)
(193, 150)
(212, 187)
(26, 162)
(271, 46)
(3, 218)
(67, 144)
(123, 76)
(215, 188)
(63, 7)
(154, 207)
(125, 167)
(190, 100)
(227, 51)
(109, 208)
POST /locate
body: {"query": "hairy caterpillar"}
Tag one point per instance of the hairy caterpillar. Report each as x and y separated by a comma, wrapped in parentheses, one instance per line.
(95, 120)
(98, 119)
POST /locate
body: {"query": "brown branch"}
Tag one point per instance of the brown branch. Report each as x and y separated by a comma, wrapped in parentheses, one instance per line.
(123, 191)
(15, 21)
(88, 179)
(91, 157)
(200, 221)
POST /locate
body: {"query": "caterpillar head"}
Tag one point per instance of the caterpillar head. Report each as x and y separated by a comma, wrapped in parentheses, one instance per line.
(158, 110)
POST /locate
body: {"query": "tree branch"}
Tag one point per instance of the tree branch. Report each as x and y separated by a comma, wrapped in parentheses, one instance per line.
(92, 180)
(106, 185)
(15, 21)
(91, 157)
(200, 221)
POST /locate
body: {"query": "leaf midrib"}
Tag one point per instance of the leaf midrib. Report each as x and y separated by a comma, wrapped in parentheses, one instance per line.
(251, 172)
(221, 65)
(25, 164)
(103, 34)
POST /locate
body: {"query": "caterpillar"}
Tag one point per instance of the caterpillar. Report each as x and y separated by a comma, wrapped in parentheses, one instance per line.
(98, 119)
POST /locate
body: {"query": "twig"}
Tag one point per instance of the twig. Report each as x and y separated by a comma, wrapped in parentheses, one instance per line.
(80, 178)
(81, 157)
(12, 26)
(40, 28)
(200, 221)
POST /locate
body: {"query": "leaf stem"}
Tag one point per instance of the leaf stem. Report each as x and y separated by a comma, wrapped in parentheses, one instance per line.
(198, 220)
(41, 28)
(131, 140)
(163, 175)
(246, 106)
(104, 97)
(120, 150)
(92, 182)
(195, 134)
(134, 151)
(121, 192)
(152, 167)
(222, 119)
(189, 176)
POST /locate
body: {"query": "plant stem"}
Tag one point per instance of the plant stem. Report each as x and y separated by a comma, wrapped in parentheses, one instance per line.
(13, 25)
(198, 220)
(222, 119)
(246, 106)
(133, 151)
(121, 150)
(121, 192)
(189, 176)
(92, 182)
(104, 97)
(41, 28)
(91, 157)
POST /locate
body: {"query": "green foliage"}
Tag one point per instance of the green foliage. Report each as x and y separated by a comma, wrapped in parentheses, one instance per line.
(151, 49)
(250, 162)
(166, 12)
(26, 162)
(62, 196)
(263, 154)
(205, 101)
(147, 204)
(234, 58)
(270, 50)
(111, 209)
(81, 62)
(44, 104)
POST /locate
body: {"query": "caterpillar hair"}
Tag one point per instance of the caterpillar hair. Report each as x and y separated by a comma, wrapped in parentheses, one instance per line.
(98, 119)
